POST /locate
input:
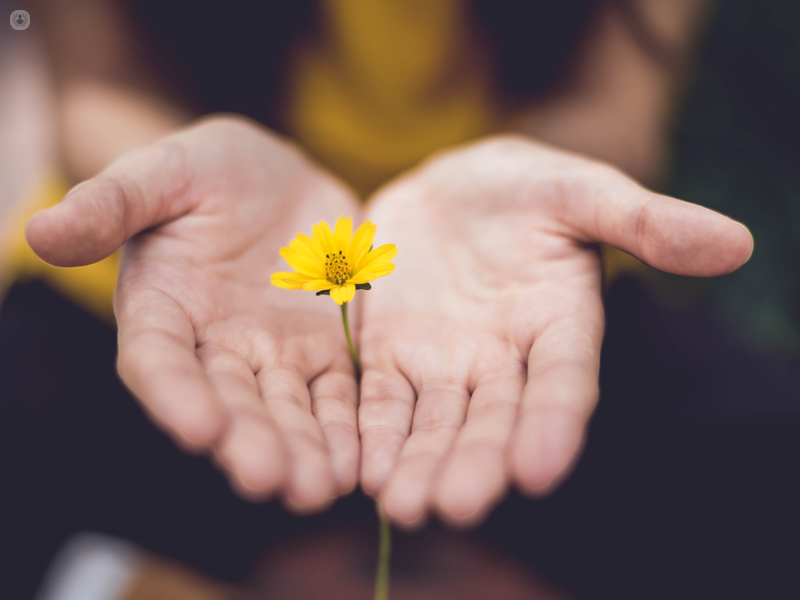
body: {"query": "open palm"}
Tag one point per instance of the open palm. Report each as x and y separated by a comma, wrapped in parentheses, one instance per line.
(481, 352)
(218, 356)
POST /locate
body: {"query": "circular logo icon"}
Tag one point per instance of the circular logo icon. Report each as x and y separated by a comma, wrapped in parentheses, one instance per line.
(20, 19)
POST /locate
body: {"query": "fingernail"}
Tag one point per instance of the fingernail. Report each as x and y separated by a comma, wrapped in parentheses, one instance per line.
(412, 525)
(541, 489)
(467, 515)
(752, 239)
(29, 224)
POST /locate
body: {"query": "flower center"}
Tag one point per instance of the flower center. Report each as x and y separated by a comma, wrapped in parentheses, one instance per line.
(336, 268)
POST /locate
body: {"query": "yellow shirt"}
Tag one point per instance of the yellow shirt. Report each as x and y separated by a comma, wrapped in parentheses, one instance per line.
(387, 83)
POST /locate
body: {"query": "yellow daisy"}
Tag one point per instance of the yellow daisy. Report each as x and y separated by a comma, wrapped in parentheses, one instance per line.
(335, 262)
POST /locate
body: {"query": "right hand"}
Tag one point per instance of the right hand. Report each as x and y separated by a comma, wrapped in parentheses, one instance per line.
(481, 352)
(219, 357)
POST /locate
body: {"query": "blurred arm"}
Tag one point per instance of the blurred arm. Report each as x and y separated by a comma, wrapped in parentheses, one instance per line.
(616, 103)
(110, 98)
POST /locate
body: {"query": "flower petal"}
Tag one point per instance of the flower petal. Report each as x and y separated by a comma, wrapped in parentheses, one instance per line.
(380, 255)
(288, 281)
(292, 275)
(302, 250)
(324, 236)
(379, 270)
(358, 257)
(342, 234)
(338, 294)
(349, 291)
(363, 276)
(285, 285)
(362, 240)
(343, 293)
(375, 271)
(303, 264)
(318, 285)
(309, 250)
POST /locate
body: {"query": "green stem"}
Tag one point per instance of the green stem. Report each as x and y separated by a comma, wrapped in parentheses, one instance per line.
(384, 529)
(353, 353)
(384, 555)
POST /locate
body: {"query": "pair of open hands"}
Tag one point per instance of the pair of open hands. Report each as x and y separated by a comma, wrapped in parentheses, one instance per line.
(480, 352)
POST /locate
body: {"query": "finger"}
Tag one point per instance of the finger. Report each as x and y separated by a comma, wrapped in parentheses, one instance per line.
(310, 485)
(139, 190)
(474, 476)
(438, 415)
(384, 421)
(157, 362)
(251, 450)
(668, 234)
(334, 402)
(558, 399)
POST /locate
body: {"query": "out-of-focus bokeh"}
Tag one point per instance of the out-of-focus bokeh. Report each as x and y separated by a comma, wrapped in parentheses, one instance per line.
(690, 482)
(735, 151)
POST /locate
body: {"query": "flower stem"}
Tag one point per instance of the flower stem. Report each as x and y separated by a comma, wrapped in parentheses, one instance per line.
(384, 555)
(353, 353)
(384, 529)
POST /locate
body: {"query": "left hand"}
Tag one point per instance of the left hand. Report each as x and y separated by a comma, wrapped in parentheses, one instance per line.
(481, 353)
(224, 361)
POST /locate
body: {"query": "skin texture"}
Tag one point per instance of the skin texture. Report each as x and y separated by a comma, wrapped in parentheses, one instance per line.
(480, 353)
(481, 350)
(220, 358)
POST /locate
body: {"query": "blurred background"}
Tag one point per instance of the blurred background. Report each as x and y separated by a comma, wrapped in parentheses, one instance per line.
(690, 481)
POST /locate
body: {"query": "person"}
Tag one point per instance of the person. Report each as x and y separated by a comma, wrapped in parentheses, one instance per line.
(481, 353)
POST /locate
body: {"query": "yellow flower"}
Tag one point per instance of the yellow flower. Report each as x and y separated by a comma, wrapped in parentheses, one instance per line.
(335, 262)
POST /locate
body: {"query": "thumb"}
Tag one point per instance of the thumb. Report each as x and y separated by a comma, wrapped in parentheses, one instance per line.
(139, 190)
(668, 234)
